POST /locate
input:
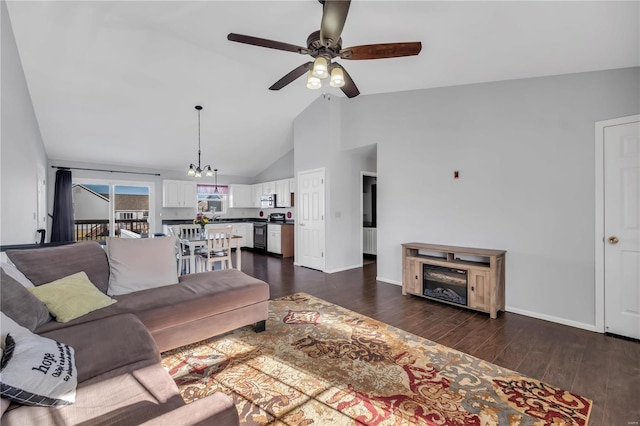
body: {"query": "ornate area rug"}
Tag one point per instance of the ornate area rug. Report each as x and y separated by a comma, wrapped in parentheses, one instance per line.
(320, 364)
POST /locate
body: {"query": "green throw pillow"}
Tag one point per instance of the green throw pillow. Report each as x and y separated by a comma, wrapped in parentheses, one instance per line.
(71, 297)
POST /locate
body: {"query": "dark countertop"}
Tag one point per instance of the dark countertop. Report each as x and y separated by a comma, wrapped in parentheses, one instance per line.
(225, 220)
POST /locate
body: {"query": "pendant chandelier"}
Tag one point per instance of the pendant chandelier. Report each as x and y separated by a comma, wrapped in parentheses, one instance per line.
(197, 171)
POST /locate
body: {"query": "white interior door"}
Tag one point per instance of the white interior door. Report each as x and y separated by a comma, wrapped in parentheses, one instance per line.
(310, 219)
(622, 229)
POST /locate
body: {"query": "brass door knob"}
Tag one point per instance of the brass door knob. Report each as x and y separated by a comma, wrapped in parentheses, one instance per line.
(613, 240)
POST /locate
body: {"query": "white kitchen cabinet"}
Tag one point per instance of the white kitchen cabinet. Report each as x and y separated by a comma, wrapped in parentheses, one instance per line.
(256, 193)
(274, 239)
(248, 237)
(369, 240)
(240, 229)
(292, 185)
(178, 193)
(245, 230)
(268, 188)
(240, 196)
(283, 194)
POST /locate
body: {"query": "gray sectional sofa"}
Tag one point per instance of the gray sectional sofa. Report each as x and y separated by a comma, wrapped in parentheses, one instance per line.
(120, 379)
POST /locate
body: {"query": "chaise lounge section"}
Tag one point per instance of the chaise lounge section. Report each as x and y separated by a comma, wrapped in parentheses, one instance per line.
(118, 347)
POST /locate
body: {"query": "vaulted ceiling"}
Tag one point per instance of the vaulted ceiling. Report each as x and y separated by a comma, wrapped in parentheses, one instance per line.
(116, 82)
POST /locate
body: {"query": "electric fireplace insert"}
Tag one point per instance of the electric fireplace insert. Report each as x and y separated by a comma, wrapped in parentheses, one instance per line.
(444, 283)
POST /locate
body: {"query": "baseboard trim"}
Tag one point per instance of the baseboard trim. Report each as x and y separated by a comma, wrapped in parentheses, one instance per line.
(388, 280)
(563, 321)
(346, 268)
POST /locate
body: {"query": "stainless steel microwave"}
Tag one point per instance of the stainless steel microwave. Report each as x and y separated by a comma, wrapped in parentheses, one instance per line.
(268, 201)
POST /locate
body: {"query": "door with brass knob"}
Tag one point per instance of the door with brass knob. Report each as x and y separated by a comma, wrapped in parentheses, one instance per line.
(621, 168)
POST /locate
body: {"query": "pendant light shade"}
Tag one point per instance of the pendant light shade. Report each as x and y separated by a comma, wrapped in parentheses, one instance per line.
(337, 77)
(320, 68)
(313, 82)
(194, 171)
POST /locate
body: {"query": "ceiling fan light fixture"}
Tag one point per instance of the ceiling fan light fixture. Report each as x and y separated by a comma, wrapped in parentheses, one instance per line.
(320, 68)
(313, 82)
(337, 77)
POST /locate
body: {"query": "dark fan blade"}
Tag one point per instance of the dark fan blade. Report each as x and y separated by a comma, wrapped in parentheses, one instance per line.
(291, 76)
(381, 51)
(349, 87)
(263, 42)
(334, 14)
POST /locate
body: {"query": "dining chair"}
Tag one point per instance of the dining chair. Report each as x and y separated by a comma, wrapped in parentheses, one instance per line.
(184, 254)
(190, 231)
(218, 248)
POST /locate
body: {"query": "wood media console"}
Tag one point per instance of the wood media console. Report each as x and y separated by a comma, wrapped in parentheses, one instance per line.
(460, 276)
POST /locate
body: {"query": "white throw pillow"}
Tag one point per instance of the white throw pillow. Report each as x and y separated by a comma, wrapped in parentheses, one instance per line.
(36, 370)
(139, 264)
(11, 270)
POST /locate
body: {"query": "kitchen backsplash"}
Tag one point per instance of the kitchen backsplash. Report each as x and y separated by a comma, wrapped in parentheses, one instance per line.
(188, 214)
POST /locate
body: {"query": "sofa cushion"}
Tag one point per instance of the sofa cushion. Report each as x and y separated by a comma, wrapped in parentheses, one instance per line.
(123, 341)
(71, 297)
(125, 399)
(139, 264)
(4, 404)
(17, 303)
(197, 296)
(38, 371)
(43, 265)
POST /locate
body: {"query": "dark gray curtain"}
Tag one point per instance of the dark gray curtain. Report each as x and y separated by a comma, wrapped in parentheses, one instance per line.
(62, 228)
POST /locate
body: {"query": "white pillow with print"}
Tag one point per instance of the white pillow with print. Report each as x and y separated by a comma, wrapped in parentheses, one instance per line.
(35, 370)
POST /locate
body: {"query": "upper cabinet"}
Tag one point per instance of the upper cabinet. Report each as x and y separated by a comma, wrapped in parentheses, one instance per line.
(241, 196)
(269, 188)
(256, 193)
(179, 193)
(283, 193)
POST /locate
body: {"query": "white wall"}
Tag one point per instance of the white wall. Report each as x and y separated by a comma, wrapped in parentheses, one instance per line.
(318, 144)
(280, 169)
(525, 152)
(22, 152)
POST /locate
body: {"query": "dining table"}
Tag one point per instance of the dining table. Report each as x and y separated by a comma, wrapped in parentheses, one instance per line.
(201, 241)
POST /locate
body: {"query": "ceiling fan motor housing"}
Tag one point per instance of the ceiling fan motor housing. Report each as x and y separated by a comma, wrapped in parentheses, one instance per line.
(316, 48)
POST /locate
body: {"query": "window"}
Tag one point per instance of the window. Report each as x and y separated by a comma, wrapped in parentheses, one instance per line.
(103, 208)
(212, 199)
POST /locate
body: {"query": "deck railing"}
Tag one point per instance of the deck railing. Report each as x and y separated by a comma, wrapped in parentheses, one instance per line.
(98, 229)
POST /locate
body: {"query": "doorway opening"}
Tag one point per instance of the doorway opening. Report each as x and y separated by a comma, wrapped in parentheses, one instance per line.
(369, 210)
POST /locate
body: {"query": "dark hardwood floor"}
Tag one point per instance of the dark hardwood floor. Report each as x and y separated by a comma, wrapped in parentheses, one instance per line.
(603, 368)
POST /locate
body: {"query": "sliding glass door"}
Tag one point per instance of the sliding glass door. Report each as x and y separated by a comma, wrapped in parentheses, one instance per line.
(102, 209)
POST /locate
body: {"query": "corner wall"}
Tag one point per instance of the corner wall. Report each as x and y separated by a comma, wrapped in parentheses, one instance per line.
(525, 152)
(22, 154)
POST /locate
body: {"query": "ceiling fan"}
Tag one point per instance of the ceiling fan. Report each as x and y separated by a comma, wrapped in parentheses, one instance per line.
(324, 46)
